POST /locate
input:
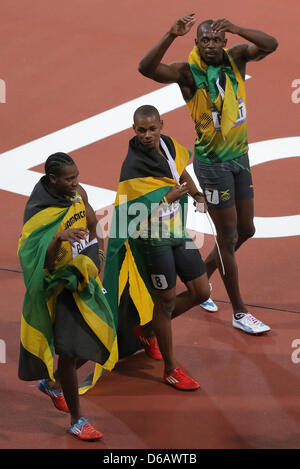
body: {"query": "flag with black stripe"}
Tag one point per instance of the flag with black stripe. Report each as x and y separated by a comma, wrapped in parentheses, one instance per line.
(145, 179)
(64, 310)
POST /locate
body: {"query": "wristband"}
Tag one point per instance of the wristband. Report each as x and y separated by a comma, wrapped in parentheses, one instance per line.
(101, 254)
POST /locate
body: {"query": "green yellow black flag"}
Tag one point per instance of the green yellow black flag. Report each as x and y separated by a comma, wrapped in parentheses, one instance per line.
(66, 310)
(144, 181)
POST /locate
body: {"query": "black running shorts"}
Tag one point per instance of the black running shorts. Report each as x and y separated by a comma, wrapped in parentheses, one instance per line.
(164, 261)
(224, 183)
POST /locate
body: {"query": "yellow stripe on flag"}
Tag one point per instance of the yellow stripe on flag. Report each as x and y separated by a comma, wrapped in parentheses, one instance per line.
(36, 343)
(44, 217)
(138, 187)
(182, 156)
(138, 290)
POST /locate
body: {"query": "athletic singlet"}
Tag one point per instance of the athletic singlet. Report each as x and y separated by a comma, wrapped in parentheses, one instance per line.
(210, 145)
(75, 218)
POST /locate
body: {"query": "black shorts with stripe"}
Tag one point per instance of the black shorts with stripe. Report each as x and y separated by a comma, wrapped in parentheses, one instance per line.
(224, 183)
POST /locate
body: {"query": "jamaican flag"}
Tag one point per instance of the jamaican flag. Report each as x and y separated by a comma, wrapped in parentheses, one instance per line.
(220, 84)
(144, 181)
(64, 310)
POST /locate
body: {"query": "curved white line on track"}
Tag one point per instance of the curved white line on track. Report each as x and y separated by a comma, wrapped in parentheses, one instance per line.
(17, 177)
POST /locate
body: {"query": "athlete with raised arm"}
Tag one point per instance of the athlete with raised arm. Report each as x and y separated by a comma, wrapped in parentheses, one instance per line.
(212, 83)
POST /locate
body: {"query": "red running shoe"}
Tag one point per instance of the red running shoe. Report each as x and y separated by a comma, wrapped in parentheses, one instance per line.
(83, 430)
(181, 381)
(56, 396)
(150, 344)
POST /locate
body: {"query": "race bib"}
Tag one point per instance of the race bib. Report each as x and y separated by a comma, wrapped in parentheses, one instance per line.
(79, 246)
(159, 281)
(167, 211)
(240, 120)
(212, 196)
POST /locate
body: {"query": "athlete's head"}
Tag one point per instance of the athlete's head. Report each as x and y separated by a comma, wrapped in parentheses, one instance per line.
(147, 125)
(61, 174)
(210, 43)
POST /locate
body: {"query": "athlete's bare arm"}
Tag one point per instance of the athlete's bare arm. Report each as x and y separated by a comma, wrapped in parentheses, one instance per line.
(71, 235)
(177, 72)
(261, 43)
(192, 189)
(92, 222)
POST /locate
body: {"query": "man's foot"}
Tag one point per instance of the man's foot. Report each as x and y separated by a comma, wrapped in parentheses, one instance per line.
(83, 430)
(150, 344)
(56, 396)
(179, 380)
(249, 324)
(209, 304)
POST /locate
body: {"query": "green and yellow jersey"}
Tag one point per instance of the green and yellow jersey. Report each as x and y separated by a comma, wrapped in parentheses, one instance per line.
(218, 109)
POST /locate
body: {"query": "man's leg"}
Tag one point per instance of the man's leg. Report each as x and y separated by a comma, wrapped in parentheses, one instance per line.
(69, 385)
(79, 426)
(162, 274)
(57, 384)
(187, 262)
(197, 292)
(234, 226)
(245, 224)
(164, 305)
(245, 230)
(168, 306)
(163, 266)
(226, 224)
(234, 223)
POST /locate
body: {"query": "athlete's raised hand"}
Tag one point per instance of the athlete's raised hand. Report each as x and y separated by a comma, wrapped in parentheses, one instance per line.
(183, 25)
(224, 26)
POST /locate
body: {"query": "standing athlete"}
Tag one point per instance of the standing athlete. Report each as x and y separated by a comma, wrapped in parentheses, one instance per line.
(64, 306)
(156, 247)
(212, 83)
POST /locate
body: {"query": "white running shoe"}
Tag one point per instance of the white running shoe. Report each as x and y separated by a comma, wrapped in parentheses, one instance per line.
(250, 324)
(209, 305)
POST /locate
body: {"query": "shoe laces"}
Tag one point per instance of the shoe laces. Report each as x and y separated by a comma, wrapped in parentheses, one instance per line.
(181, 376)
(252, 319)
(80, 423)
(89, 432)
(90, 429)
(178, 372)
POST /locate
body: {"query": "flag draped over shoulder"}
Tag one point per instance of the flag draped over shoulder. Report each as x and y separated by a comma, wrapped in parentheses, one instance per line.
(66, 309)
(221, 83)
(145, 179)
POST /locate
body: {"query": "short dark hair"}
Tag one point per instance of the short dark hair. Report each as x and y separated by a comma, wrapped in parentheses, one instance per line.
(55, 162)
(204, 23)
(145, 111)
